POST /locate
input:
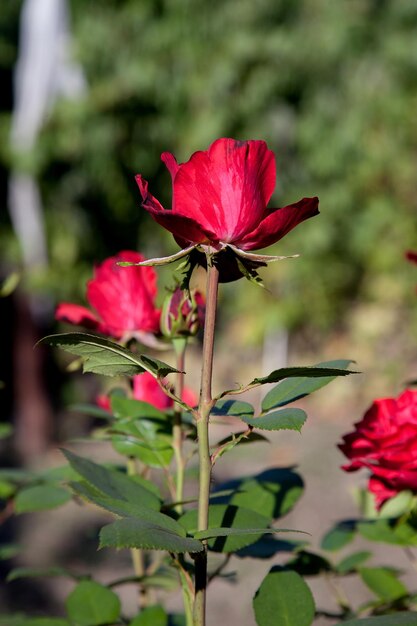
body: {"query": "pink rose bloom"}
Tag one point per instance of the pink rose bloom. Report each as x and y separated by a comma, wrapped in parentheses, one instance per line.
(385, 442)
(220, 198)
(122, 300)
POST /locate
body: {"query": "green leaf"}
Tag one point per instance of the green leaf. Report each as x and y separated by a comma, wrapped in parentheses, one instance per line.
(41, 498)
(58, 474)
(102, 356)
(274, 492)
(5, 430)
(283, 599)
(397, 619)
(92, 604)
(91, 409)
(128, 407)
(293, 389)
(339, 536)
(7, 489)
(352, 562)
(232, 408)
(237, 532)
(20, 620)
(286, 419)
(112, 483)
(9, 284)
(312, 371)
(8, 551)
(400, 504)
(16, 475)
(223, 516)
(136, 533)
(127, 509)
(39, 572)
(164, 578)
(151, 616)
(383, 530)
(144, 439)
(383, 582)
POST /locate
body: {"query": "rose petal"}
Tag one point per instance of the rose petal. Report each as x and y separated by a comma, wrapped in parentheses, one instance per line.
(183, 227)
(171, 163)
(226, 188)
(278, 223)
(124, 296)
(76, 314)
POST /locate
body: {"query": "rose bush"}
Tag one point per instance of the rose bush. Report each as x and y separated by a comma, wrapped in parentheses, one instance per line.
(123, 299)
(220, 197)
(385, 442)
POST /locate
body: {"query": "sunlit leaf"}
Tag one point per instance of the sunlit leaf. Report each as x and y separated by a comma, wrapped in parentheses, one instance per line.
(40, 572)
(274, 491)
(102, 356)
(151, 616)
(296, 372)
(283, 599)
(92, 604)
(339, 536)
(285, 419)
(293, 389)
(135, 533)
(41, 498)
(352, 562)
(383, 582)
(228, 516)
(234, 408)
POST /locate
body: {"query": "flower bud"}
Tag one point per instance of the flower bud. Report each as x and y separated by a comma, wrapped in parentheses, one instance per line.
(182, 313)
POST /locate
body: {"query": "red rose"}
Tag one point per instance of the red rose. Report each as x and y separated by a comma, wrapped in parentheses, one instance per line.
(220, 198)
(147, 389)
(123, 299)
(385, 441)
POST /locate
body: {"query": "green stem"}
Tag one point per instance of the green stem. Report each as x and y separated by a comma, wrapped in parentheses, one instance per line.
(136, 553)
(180, 346)
(204, 408)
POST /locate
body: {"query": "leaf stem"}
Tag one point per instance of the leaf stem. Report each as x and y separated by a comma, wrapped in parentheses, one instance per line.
(204, 408)
(180, 346)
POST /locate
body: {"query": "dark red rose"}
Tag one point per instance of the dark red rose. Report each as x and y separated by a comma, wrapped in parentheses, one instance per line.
(220, 197)
(411, 256)
(123, 300)
(385, 442)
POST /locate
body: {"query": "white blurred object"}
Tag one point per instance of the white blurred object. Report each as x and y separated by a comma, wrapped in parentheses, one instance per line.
(44, 71)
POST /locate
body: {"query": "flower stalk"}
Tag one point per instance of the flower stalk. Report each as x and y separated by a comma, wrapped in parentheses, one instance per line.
(205, 466)
(180, 346)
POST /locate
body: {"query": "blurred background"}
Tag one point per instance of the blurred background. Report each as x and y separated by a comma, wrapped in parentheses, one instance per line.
(93, 93)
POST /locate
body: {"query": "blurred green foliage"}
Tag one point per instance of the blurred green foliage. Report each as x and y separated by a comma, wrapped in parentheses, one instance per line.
(332, 88)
